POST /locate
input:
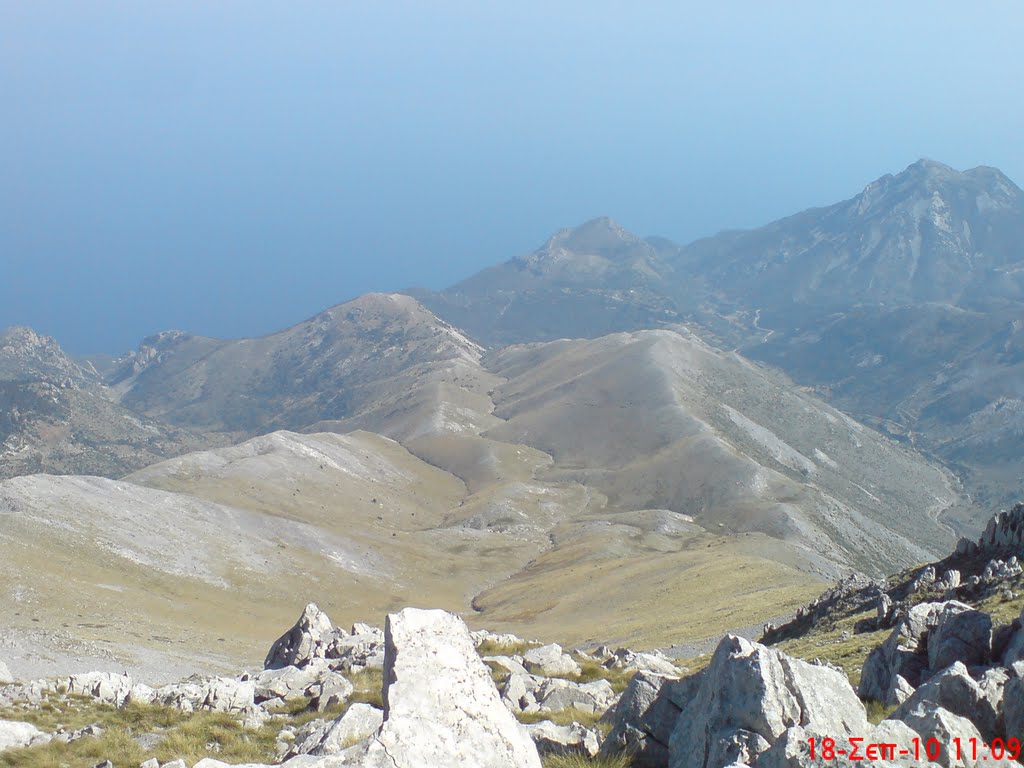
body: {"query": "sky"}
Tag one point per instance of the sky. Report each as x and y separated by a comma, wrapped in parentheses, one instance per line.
(231, 168)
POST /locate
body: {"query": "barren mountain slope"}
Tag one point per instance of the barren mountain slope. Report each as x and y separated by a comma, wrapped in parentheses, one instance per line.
(156, 577)
(586, 281)
(659, 420)
(56, 416)
(375, 349)
(927, 234)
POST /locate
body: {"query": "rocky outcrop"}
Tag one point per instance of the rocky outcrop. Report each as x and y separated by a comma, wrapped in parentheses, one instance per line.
(749, 695)
(1004, 535)
(533, 693)
(955, 691)
(905, 655)
(645, 716)
(307, 640)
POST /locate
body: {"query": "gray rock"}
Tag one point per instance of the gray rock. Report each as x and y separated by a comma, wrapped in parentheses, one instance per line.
(441, 707)
(151, 763)
(14, 735)
(556, 694)
(750, 688)
(307, 640)
(883, 609)
(331, 738)
(738, 747)
(960, 636)
(518, 693)
(360, 650)
(104, 686)
(904, 652)
(227, 695)
(5, 674)
(954, 690)
(1013, 702)
(923, 579)
(507, 663)
(1015, 647)
(549, 660)
(563, 739)
(899, 691)
(645, 716)
(938, 723)
(950, 580)
(288, 682)
(792, 749)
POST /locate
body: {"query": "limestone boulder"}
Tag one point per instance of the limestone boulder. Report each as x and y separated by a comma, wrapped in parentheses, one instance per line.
(557, 694)
(362, 649)
(793, 749)
(550, 661)
(645, 716)
(937, 723)
(5, 674)
(564, 739)
(956, 691)
(307, 640)
(320, 737)
(109, 688)
(749, 695)
(1013, 702)
(441, 706)
(14, 735)
(964, 636)
(905, 652)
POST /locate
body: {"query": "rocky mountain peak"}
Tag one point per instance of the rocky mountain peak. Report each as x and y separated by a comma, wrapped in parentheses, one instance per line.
(601, 236)
(931, 184)
(28, 355)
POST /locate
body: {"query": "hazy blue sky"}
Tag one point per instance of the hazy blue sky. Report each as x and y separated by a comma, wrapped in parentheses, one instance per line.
(233, 167)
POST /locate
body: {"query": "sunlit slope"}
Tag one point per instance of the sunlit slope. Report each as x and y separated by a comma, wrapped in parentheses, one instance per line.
(368, 359)
(657, 419)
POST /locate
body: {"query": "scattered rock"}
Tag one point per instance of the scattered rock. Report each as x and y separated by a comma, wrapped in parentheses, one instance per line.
(307, 640)
(331, 738)
(562, 739)
(550, 660)
(15, 734)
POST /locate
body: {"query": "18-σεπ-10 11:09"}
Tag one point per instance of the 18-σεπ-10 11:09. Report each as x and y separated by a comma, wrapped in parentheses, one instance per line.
(928, 749)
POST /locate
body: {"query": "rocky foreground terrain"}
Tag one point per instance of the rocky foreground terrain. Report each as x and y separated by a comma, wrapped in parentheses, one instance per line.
(936, 653)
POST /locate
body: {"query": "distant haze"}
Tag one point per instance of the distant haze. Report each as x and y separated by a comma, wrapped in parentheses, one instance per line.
(232, 168)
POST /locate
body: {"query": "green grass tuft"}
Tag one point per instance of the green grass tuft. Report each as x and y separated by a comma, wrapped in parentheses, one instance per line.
(581, 761)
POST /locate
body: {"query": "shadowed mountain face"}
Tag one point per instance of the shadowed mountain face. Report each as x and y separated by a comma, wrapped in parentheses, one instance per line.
(57, 416)
(929, 234)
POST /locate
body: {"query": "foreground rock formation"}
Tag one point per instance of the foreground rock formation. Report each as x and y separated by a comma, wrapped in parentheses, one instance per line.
(946, 677)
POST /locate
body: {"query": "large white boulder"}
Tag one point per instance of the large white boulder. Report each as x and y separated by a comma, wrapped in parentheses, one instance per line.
(441, 707)
(14, 734)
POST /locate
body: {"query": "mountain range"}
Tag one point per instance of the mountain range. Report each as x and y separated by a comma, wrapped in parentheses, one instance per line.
(702, 432)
